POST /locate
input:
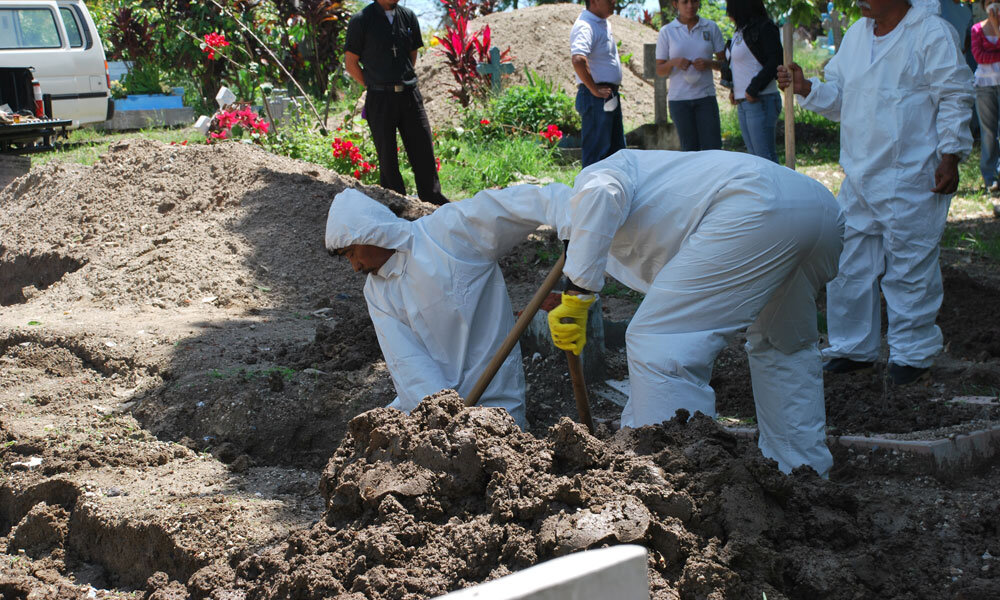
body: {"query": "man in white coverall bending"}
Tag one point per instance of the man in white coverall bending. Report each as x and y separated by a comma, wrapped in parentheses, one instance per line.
(718, 242)
(903, 95)
(436, 297)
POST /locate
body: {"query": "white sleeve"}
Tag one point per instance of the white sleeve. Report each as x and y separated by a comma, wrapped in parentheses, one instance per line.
(663, 45)
(599, 207)
(414, 373)
(825, 98)
(718, 42)
(951, 84)
(492, 222)
(580, 39)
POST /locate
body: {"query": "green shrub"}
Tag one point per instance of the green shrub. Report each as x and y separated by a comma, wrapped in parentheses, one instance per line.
(297, 139)
(535, 106)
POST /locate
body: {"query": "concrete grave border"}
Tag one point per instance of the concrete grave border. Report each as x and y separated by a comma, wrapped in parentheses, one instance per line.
(618, 572)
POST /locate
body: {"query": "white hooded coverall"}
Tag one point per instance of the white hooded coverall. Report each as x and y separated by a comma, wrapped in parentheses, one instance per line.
(902, 104)
(439, 304)
(718, 242)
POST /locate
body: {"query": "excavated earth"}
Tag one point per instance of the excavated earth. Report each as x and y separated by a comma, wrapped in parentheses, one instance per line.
(190, 393)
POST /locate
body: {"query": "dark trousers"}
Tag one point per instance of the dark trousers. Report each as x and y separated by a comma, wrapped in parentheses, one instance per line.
(601, 132)
(697, 123)
(404, 111)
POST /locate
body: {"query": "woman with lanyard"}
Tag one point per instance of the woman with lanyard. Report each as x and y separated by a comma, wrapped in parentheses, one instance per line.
(986, 51)
(754, 55)
(684, 51)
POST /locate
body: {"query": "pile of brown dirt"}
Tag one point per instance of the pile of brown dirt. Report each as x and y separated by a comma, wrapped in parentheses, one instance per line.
(167, 226)
(421, 505)
(151, 438)
(538, 38)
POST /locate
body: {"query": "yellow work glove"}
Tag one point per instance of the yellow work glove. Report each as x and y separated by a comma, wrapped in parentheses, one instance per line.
(568, 322)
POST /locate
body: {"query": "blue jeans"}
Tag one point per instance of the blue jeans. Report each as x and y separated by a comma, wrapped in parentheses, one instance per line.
(697, 123)
(986, 105)
(757, 123)
(602, 133)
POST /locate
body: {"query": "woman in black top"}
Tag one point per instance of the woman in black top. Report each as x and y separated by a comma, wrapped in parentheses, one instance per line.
(753, 55)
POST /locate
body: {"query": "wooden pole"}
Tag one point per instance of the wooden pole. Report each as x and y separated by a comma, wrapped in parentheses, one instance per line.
(786, 41)
(580, 389)
(515, 334)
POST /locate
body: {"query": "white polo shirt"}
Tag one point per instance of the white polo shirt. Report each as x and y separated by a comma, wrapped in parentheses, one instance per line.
(701, 41)
(591, 37)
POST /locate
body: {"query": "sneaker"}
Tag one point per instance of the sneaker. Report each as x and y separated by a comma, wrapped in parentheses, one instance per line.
(839, 366)
(993, 188)
(905, 374)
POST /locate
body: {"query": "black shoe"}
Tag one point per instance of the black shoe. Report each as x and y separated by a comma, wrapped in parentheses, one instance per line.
(839, 366)
(905, 374)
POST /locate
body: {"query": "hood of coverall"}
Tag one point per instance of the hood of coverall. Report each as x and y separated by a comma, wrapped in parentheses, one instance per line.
(354, 218)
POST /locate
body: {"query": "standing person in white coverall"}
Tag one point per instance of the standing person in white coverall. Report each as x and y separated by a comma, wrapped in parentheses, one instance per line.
(717, 241)
(903, 94)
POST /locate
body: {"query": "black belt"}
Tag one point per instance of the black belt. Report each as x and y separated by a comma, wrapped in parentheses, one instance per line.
(392, 87)
(613, 86)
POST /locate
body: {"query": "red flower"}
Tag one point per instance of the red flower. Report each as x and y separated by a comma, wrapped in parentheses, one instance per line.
(484, 121)
(437, 163)
(214, 41)
(551, 134)
(357, 174)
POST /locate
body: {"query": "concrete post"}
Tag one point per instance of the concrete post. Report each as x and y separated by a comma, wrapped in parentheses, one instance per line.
(618, 572)
(659, 83)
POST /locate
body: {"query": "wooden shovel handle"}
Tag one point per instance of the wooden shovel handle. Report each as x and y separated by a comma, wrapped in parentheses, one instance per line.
(515, 334)
(580, 389)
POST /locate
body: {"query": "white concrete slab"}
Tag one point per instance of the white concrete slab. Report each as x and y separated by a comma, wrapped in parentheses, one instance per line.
(618, 572)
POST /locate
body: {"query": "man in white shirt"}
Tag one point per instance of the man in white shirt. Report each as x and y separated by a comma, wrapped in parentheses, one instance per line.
(598, 75)
(903, 95)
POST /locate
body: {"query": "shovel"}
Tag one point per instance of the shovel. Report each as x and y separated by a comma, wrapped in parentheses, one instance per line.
(575, 367)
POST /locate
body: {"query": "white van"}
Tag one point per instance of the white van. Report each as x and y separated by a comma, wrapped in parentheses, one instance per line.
(58, 40)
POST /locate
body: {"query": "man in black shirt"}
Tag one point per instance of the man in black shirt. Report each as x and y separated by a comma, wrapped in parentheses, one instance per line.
(384, 38)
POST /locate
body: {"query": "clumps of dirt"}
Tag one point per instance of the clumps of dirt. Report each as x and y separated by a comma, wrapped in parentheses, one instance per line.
(421, 505)
(43, 529)
(161, 225)
(538, 38)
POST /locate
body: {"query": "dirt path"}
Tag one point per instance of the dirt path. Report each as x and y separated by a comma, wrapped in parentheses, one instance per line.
(180, 364)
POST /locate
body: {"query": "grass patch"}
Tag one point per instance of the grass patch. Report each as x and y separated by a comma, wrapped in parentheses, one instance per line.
(479, 164)
(981, 242)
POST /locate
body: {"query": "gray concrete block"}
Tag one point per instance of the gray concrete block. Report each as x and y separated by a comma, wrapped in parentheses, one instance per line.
(142, 119)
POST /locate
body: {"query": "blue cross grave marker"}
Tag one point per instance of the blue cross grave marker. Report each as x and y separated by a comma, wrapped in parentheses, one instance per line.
(495, 69)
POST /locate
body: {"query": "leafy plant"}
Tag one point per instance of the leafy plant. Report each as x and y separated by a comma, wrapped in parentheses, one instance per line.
(464, 51)
(535, 106)
(144, 79)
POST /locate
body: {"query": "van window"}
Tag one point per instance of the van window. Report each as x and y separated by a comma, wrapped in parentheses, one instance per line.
(28, 28)
(72, 27)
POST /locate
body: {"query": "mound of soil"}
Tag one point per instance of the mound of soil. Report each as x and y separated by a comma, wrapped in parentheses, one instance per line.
(538, 38)
(179, 360)
(421, 505)
(160, 225)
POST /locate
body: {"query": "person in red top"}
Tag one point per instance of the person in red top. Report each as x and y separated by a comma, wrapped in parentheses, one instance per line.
(986, 51)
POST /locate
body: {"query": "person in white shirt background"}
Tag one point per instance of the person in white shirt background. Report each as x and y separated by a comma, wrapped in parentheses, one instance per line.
(687, 50)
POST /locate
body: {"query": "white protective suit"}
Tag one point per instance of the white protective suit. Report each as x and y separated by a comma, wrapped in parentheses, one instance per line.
(899, 112)
(718, 242)
(439, 305)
